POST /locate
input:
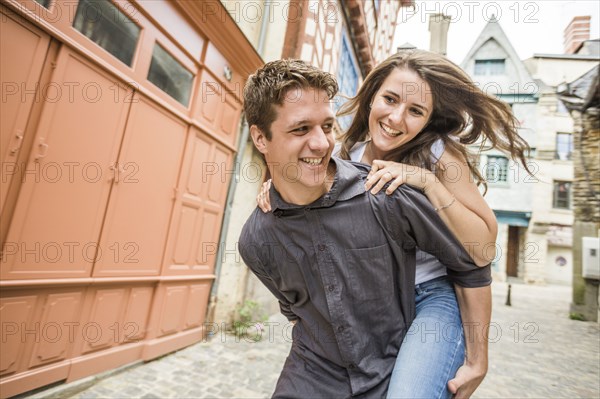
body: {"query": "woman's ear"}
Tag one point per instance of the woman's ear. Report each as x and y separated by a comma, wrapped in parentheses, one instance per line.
(259, 139)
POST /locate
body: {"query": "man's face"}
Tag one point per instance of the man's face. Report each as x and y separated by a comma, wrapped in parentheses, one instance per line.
(301, 143)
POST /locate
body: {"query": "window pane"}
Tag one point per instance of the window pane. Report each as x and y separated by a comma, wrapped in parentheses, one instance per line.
(564, 146)
(348, 83)
(44, 3)
(170, 76)
(561, 108)
(108, 27)
(489, 67)
(496, 169)
(562, 195)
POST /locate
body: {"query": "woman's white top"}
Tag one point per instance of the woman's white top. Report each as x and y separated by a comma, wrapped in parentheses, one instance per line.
(428, 267)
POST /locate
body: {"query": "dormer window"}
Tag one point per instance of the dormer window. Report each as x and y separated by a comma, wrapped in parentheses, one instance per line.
(489, 67)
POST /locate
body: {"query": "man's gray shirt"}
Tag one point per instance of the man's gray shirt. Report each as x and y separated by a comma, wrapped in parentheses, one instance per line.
(344, 268)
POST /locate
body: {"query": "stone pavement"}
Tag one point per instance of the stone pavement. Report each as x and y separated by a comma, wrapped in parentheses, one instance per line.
(536, 351)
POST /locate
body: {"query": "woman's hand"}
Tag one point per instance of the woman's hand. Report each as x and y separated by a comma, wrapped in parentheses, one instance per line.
(383, 172)
(263, 199)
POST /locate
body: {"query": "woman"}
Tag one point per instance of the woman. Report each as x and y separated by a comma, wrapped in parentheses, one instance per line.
(414, 115)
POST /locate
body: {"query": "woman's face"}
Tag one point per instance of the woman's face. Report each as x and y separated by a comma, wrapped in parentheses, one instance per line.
(400, 109)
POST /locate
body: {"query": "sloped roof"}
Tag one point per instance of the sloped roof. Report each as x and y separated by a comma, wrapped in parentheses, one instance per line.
(406, 46)
(493, 31)
(583, 92)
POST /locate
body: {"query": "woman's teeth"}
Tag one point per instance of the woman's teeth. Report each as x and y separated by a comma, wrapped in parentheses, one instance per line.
(390, 131)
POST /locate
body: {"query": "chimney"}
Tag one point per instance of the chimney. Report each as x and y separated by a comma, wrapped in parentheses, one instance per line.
(438, 27)
(576, 33)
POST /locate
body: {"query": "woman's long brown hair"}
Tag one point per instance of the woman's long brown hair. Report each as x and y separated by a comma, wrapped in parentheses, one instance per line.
(460, 109)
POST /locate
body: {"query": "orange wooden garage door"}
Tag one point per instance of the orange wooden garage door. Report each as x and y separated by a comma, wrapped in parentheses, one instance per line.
(109, 214)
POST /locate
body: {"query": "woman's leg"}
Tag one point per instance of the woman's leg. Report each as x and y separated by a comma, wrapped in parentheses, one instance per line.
(433, 348)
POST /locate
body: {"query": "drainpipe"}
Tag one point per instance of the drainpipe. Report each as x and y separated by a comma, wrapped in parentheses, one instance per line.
(242, 142)
(263, 29)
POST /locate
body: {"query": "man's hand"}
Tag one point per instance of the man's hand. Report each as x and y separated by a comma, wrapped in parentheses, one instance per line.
(466, 381)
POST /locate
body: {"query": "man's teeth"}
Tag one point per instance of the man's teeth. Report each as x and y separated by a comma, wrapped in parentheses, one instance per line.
(390, 131)
(312, 161)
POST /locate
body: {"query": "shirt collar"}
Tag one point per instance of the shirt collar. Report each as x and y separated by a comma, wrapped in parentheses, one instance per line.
(348, 182)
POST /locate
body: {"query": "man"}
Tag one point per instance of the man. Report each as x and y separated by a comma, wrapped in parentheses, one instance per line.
(340, 261)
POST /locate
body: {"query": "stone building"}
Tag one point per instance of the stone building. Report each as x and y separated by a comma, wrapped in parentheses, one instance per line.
(493, 63)
(582, 98)
(535, 213)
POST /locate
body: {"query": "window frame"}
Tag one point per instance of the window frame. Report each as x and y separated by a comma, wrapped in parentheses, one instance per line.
(165, 48)
(499, 170)
(136, 49)
(488, 67)
(570, 145)
(555, 185)
(340, 100)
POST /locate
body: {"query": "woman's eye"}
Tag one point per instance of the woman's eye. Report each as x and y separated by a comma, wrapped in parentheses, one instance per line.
(389, 100)
(417, 111)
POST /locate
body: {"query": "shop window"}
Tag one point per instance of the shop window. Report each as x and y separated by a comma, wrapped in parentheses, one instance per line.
(496, 169)
(562, 195)
(104, 24)
(348, 82)
(170, 76)
(564, 146)
(489, 67)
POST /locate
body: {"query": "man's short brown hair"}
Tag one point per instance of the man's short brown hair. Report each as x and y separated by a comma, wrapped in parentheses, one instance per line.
(269, 85)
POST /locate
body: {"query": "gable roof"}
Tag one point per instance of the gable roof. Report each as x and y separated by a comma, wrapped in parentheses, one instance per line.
(493, 31)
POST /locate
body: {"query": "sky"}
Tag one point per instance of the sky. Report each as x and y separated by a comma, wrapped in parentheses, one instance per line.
(531, 26)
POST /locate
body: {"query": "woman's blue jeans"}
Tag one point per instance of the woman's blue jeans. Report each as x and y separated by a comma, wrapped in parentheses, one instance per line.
(433, 349)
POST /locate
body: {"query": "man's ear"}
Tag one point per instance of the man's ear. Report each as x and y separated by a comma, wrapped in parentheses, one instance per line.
(259, 139)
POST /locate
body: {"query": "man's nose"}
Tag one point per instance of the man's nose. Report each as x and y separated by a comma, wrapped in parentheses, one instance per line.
(318, 140)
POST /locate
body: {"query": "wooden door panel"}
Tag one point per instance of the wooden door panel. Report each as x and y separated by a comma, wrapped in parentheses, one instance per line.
(196, 304)
(63, 198)
(60, 315)
(23, 49)
(217, 109)
(16, 314)
(140, 206)
(512, 256)
(102, 329)
(172, 309)
(198, 212)
(134, 325)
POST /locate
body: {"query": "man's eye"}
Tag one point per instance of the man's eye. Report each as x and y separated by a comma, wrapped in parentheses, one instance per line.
(301, 129)
(327, 127)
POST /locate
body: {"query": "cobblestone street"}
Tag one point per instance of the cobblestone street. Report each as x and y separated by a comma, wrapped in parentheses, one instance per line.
(536, 351)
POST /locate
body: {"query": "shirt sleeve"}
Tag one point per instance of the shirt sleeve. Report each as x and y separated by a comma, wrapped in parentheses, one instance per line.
(411, 219)
(250, 253)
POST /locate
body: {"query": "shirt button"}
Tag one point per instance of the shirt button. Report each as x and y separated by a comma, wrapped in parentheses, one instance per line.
(321, 247)
(331, 287)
